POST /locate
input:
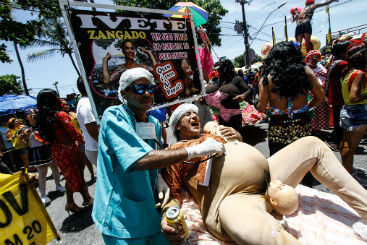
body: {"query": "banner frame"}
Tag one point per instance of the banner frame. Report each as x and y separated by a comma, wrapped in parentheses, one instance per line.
(63, 3)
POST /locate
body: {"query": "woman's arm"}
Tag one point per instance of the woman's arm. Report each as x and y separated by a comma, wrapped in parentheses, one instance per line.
(318, 5)
(244, 87)
(9, 136)
(105, 72)
(151, 56)
(317, 91)
(355, 95)
(263, 96)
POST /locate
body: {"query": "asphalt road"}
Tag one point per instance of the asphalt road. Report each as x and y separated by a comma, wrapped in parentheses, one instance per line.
(79, 229)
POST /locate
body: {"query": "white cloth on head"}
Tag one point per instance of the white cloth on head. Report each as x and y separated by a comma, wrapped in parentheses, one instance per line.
(177, 114)
(130, 76)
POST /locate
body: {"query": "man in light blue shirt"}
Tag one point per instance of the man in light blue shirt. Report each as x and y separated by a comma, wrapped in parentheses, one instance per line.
(124, 207)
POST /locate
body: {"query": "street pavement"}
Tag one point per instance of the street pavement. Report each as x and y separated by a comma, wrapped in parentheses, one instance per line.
(79, 229)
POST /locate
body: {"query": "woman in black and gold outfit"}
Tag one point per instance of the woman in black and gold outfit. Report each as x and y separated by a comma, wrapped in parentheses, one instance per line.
(285, 85)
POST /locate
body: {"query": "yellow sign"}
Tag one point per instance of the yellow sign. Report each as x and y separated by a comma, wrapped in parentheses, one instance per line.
(23, 218)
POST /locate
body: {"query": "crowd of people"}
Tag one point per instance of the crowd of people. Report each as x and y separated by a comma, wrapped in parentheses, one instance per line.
(136, 173)
(51, 135)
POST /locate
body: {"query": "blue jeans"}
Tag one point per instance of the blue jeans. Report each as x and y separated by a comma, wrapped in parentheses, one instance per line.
(353, 116)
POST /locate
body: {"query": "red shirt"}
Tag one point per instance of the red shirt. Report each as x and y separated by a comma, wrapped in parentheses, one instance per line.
(335, 96)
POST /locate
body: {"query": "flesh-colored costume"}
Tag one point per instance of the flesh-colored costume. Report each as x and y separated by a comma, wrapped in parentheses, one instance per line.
(233, 205)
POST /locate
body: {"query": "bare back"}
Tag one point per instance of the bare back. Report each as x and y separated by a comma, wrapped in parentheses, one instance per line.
(277, 101)
(266, 96)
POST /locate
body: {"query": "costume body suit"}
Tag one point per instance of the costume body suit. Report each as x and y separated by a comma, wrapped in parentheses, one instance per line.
(233, 205)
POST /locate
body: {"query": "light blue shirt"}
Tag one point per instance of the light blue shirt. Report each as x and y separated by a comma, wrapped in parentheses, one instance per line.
(7, 144)
(124, 204)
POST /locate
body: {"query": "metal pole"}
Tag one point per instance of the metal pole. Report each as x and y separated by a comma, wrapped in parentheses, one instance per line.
(329, 31)
(55, 84)
(245, 33)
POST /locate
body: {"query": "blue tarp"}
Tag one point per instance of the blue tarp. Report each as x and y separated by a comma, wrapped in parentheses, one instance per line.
(10, 104)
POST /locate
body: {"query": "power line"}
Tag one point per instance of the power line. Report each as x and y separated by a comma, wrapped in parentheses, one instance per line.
(267, 5)
(316, 11)
(227, 22)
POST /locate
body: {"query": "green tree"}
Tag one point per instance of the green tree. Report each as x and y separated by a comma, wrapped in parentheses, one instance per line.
(18, 33)
(4, 57)
(239, 61)
(9, 84)
(213, 7)
(257, 58)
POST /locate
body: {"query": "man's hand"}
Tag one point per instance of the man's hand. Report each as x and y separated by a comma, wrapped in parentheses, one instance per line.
(230, 134)
(170, 233)
(239, 98)
(201, 101)
(208, 147)
(163, 190)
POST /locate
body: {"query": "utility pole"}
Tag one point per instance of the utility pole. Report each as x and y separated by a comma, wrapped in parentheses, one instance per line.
(328, 41)
(245, 32)
(55, 84)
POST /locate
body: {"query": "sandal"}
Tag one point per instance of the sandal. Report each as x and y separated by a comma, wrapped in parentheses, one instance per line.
(88, 203)
(72, 207)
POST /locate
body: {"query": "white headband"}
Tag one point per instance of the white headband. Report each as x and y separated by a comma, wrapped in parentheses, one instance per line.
(130, 76)
(177, 114)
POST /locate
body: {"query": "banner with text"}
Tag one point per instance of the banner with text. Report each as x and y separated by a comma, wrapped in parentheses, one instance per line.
(111, 43)
(23, 217)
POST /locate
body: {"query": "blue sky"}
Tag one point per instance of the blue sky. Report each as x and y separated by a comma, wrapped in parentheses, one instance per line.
(344, 14)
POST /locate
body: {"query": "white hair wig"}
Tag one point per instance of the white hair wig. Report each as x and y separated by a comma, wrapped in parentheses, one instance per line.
(177, 114)
(130, 76)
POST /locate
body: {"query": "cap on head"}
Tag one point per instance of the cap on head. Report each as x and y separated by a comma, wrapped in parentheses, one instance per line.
(312, 53)
(177, 114)
(28, 111)
(308, 2)
(130, 76)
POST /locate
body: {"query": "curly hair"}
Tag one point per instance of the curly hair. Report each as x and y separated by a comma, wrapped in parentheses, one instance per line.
(48, 104)
(226, 70)
(287, 67)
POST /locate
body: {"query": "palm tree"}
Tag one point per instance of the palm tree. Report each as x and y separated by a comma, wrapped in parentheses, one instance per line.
(21, 68)
(53, 35)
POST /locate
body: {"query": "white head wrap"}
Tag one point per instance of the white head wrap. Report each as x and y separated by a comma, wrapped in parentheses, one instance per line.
(130, 76)
(177, 114)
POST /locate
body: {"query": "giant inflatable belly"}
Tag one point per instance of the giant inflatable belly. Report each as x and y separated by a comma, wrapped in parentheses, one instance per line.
(242, 169)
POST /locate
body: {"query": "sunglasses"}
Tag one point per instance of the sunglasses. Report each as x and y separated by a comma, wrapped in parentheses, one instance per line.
(141, 88)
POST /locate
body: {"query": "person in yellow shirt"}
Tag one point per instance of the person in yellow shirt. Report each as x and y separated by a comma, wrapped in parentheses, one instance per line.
(353, 115)
(16, 135)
